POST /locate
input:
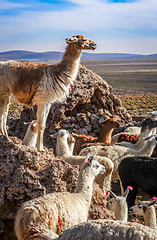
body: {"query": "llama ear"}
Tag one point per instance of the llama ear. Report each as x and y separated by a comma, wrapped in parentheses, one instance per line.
(26, 123)
(112, 194)
(71, 40)
(148, 138)
(54, 135)
(125, 194)
(89, 158)
(152, 203)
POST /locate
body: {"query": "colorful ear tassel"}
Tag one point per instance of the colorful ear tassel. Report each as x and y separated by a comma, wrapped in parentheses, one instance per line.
(154, 198)
(59, 221)
(107, 193)
(72, 88)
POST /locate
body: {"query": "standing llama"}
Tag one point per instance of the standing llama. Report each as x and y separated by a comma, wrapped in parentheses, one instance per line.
(40, 84)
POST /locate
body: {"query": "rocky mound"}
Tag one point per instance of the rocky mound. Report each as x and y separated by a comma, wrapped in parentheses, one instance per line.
(82, 113)
(26, 173)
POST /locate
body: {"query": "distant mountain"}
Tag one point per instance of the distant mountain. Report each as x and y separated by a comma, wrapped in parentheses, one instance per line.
(27, 55)
(55, 56)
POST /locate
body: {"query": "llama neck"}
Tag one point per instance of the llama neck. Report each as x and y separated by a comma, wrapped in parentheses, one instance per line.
(150, 217)
(62, 148)
(70, 63)
(147, 149)
(105, 134)
(30, 138)
(85, 185)
(140, 142)
(121, 211)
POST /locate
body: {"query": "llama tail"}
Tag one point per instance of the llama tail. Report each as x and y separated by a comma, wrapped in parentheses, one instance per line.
(41, 234)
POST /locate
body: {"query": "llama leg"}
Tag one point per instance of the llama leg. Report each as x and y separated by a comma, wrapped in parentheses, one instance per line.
(3, 113)
(42, 113)
(7, 102)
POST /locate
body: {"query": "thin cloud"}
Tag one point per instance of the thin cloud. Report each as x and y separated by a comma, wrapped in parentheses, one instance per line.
(5, 5)
(98, 15)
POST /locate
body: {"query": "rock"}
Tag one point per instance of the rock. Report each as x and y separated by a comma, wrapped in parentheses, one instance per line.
(26, 173)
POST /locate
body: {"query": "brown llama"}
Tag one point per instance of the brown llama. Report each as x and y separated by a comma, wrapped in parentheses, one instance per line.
(104, 138)
(40, 84)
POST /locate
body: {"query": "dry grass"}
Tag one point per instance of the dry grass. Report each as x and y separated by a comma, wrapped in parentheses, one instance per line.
(139, 104)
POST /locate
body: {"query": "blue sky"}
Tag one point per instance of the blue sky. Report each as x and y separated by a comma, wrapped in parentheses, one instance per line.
(121, 26)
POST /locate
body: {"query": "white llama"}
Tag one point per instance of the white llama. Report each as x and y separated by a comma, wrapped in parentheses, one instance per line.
(59, 208)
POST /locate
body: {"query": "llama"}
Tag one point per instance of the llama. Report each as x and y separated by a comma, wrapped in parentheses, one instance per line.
(153, 115)
(131, 130)
(118, 205)
(40, 84)
(146, 209)
(104, 138)
(140, 172)
(31, 135)
(106, 229)
(64, 147)
(116, 153)
(59, 208)
(147, 127)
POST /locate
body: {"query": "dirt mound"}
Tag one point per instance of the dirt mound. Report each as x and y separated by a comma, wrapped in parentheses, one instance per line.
(83, 112)
(26, 173)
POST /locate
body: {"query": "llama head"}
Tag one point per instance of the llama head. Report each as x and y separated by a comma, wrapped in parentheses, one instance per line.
(93, 166)
(62, 136)
(61, 133)
(81, 42)
(148, 124)
(140, 208)
(111, 122)
(33, 126)
(152, 138)
(112, 203)
(153, 115)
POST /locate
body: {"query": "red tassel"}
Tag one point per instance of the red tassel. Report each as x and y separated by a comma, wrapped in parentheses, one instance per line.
(72, 88)
(107, 193)
(59, 221)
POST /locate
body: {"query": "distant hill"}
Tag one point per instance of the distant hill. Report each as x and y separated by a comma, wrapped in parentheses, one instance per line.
(55, 56)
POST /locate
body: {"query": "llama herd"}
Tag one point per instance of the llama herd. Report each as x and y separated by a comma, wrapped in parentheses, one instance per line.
(64, 215)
